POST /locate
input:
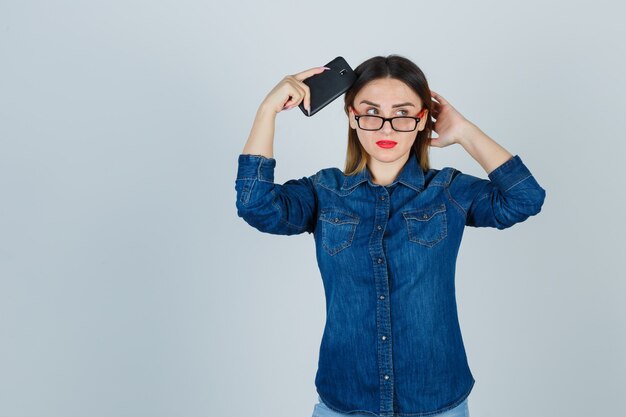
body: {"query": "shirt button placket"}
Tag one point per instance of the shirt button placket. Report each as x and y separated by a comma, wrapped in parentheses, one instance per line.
(383, 307)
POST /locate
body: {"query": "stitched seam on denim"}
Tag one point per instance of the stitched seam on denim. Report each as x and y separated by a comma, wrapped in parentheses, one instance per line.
(504, 166)
(246, 178)
(411, 186)
(245, 194)
(386, 316)
(441, 411)
(342, 211)
(431, 209)
(261, 178)
(449, 176)
(353, 186)
(483, 196)
(255, 157)
(258, 169)
(342, 411)
(429, 244)
(392, 381)
(337, 192)
(345, 213)
(446, 174)
(456, 204)
(280, 211)
(376, 285)
(523, 179)
(348, 243)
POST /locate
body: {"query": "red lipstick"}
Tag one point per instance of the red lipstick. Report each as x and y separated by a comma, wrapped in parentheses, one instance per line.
(387, 144)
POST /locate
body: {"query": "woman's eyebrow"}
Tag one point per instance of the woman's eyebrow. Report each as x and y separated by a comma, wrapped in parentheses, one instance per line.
(394, 106)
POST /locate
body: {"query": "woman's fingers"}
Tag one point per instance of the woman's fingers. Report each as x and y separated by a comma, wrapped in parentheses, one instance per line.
(301, 76)
(291, 90)
(303, 91)
(438, 97)
(296, 91)
(306, 95)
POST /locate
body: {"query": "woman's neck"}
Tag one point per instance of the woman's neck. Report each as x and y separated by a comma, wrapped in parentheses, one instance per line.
(384, 173)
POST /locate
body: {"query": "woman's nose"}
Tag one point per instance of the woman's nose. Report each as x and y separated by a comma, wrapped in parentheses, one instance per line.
(387, 126)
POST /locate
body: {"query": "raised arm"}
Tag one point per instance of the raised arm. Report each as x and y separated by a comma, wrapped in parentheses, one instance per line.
(274, 208)
(451, 127)
(287, 94)
(511, 194)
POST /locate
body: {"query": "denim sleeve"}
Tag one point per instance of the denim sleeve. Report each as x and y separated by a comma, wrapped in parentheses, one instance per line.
(285, 209)
(510, 196)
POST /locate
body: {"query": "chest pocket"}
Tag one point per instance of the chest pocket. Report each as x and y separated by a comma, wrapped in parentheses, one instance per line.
(427, 226)
(338, 228)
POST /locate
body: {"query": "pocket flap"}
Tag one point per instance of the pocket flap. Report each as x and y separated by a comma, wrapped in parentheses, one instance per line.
(424, 214)
(335, 216)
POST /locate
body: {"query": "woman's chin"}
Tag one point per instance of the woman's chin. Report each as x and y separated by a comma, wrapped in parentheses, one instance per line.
(386, 155)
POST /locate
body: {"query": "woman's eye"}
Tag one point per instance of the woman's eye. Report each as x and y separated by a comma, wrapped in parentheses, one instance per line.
(399, 112)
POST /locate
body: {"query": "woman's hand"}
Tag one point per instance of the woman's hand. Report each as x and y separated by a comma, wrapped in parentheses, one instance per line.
(450, 125)
(291, 91)
(288, 93)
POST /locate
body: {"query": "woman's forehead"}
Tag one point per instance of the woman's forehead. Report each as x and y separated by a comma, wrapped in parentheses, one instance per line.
(387, 92)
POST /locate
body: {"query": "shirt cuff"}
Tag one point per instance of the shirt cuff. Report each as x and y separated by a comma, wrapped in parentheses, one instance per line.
(256, 167)
(509, 174)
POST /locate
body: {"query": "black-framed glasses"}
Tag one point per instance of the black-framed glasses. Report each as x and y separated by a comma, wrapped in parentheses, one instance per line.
(399, 123)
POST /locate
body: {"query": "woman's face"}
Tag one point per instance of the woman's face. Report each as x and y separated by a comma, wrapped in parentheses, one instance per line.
(387, 97)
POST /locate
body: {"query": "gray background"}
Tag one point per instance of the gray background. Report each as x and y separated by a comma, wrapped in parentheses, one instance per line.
(128, 285)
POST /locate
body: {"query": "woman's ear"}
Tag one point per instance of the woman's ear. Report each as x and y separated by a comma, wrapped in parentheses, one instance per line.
(351, 117)
(423, 119)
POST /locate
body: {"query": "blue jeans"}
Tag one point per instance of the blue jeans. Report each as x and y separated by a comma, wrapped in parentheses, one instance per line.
(322, 410)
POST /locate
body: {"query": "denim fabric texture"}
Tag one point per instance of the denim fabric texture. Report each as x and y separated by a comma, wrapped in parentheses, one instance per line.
(392, 343)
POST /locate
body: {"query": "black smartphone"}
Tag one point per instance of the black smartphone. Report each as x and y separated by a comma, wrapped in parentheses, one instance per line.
(328, 85)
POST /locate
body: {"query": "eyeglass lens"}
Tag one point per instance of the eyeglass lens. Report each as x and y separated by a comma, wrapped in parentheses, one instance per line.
(398, 123)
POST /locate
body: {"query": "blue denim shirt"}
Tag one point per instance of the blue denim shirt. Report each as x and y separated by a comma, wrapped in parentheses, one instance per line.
(391, 344)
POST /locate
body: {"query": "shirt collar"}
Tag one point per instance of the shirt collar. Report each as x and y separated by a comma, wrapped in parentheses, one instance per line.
(410, 175)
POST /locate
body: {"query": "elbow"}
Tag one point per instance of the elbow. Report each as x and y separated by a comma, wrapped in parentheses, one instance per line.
(534, 201)
(540, 200)
(254, 215)
(265, 216)
(253, 207)
(513, 212)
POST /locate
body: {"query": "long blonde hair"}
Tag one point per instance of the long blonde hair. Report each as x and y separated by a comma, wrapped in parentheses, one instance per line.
(400, 68)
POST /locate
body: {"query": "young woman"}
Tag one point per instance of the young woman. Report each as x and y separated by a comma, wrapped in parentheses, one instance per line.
(387, 232)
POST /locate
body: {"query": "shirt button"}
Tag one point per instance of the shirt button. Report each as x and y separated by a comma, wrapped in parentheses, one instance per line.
(386, 376)
(336, 220)
(382, 297)
(382, 197)
(380, 260)
(379, 227)
(384, 337)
